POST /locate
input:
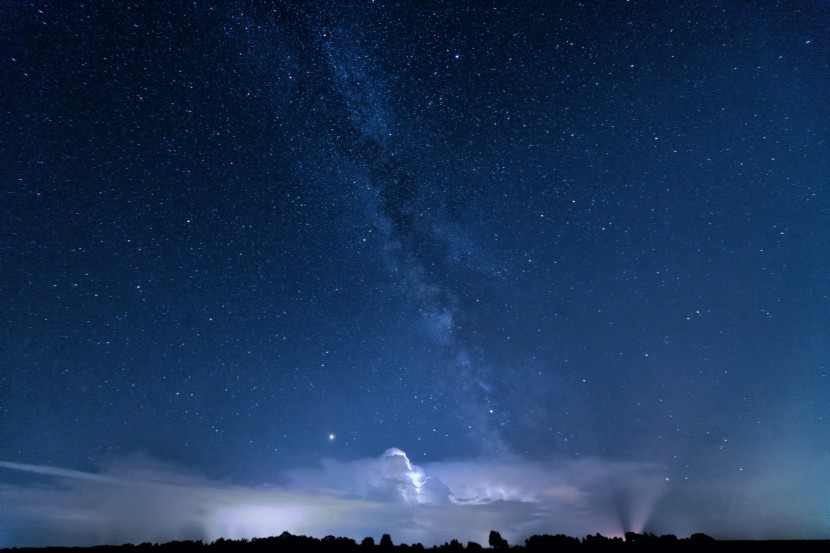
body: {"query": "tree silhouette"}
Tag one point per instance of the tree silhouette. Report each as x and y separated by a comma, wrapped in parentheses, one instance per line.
(496, 541)
(559, 542)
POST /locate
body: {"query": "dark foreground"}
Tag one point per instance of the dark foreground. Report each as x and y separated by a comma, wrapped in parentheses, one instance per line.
(549, 544)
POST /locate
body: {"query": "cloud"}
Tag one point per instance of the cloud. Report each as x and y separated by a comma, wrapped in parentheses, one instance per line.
(137, 499)
(129, 502)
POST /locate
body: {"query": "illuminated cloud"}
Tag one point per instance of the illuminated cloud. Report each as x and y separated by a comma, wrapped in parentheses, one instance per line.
(138, 499)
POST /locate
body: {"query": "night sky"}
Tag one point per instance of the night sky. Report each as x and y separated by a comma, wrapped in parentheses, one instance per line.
(571, 259)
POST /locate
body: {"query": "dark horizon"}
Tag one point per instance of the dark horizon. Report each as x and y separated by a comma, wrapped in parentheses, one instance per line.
(545, 542)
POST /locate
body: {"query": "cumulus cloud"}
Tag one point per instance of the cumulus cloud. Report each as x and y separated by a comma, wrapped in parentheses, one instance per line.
(137, 499)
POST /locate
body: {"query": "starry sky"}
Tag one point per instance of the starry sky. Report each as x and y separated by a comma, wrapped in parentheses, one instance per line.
(571, 259)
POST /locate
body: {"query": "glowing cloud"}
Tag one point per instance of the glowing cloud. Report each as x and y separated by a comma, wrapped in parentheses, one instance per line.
(137, 499)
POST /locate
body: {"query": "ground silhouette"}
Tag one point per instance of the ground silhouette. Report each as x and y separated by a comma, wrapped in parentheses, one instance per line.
(290, 543)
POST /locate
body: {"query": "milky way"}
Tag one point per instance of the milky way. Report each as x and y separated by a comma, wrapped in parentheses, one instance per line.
(571, 263)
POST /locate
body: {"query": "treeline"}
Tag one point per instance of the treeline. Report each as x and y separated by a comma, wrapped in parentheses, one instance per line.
(558, 543)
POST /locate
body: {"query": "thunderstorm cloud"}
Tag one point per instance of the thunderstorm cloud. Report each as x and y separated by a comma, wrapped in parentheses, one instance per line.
(138, 499)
